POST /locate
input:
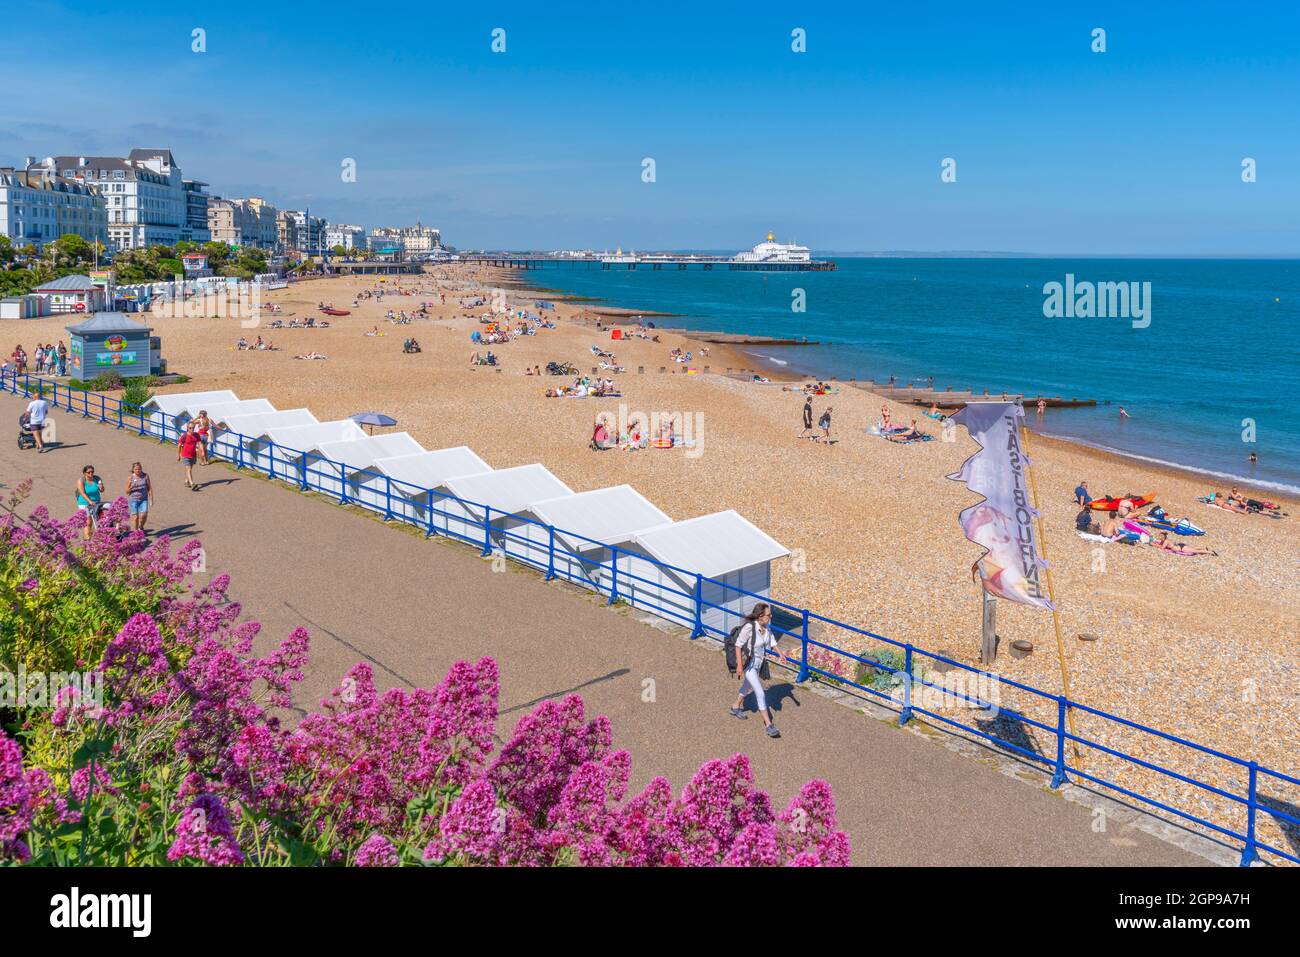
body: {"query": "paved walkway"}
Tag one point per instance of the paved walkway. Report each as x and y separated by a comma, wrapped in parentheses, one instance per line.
(412, 607)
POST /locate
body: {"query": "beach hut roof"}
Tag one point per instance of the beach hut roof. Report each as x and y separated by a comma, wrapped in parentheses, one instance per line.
(218, 411)
(175, 403)
(605, 515)
(426, 470)
(103, 323)
(254, 424)
(304, 438)
(508, 490)
(711, 545)
(361, 453)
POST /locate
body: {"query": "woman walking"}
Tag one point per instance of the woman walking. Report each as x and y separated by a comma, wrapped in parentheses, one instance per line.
(203, 426)
(753, 640)
(90, 492)
(139, 495)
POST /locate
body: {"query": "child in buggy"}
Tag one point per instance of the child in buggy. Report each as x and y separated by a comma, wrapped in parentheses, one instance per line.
(26, 440)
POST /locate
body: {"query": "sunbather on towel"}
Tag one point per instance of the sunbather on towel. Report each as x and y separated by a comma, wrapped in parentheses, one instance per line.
(1162, 542)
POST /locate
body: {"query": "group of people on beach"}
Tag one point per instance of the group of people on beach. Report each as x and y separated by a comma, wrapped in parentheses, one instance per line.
(1127, 524)
(47, 359)
(259, 345)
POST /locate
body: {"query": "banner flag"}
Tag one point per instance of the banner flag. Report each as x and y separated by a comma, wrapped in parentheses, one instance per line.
(1003, 524)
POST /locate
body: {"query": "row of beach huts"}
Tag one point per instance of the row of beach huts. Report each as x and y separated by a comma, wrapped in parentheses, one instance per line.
(525, 511)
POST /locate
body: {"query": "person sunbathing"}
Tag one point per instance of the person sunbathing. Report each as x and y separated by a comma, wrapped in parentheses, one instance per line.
(1162, 542)
(1226, 503)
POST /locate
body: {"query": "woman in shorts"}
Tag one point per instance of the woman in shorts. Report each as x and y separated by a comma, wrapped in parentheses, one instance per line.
(139, 495)
(90, 493)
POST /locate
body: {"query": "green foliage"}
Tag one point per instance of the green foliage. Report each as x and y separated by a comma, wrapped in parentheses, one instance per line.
(137, 391)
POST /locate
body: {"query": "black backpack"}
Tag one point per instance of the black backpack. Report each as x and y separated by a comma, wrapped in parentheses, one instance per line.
(729, 648)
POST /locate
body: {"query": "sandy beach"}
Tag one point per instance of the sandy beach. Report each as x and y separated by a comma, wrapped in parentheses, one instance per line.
(1201, 647)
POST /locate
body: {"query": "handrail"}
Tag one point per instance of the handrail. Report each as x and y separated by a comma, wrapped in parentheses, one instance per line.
(661, 597)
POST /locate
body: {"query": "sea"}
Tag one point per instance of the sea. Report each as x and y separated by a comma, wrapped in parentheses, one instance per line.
(1208, 374)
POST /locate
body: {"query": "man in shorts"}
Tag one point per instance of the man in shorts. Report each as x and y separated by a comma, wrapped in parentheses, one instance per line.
(37, 410)
(187, 451)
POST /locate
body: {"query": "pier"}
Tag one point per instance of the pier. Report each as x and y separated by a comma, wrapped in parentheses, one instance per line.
(652, 263)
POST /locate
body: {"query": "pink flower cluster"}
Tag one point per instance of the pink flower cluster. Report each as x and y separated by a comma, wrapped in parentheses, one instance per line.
(373, 778)
(27, 800)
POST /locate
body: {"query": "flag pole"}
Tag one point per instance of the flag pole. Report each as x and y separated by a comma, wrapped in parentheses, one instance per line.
(1051, 594)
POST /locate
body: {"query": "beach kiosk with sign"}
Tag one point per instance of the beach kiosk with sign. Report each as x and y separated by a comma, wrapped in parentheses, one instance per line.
(75, 293)
(109, 342)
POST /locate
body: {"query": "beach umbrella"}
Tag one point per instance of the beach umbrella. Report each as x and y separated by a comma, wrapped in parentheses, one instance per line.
(371, 419)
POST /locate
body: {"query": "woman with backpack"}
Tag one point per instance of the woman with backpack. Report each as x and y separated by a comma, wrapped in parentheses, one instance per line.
(748, 646)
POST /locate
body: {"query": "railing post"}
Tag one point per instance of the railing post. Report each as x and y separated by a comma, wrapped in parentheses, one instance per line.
(102, 417)
(906, 714)
(270, 459)
(343, 483)
(698, 630)
(305, 485)
(803, 653)
(388, 498)
(239, 451)
(428, 511)
(1058, 777)
(1249, 854)
(487, 531)
(119, 413)
(139, 410)
(550, 553)
(613, 575)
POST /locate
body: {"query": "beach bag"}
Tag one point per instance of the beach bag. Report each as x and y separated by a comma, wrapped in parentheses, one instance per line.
(729, 648)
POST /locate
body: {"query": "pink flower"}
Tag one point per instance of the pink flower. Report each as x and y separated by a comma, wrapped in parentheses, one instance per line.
(205, 834)
(375, 852)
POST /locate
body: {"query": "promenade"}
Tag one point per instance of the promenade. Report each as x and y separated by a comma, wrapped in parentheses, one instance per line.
(412, 607)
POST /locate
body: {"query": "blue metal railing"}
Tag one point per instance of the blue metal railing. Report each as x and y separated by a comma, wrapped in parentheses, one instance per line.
(679, 595)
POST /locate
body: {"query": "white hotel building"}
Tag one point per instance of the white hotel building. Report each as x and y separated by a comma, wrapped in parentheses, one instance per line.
(144, 195)
(37, 206)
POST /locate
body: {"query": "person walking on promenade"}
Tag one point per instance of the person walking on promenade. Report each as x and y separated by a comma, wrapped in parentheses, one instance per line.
(187, 451)
(203, 427)
(37, 410)
(750, 643)
(89, 494)
(139, 495)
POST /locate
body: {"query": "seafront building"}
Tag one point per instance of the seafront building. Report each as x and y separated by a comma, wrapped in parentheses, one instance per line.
(196, 212)
(37, 206)
(243, 222)
(349, 237)
(297, 229)
(144, 194)
(408, 240)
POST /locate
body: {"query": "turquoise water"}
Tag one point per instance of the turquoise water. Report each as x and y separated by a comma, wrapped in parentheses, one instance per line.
(1222, 346)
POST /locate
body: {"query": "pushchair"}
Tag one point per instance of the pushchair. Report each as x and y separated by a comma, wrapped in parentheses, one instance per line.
(26, 440)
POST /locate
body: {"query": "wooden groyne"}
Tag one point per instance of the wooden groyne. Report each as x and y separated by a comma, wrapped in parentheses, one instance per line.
(740, 339)
(950, 398)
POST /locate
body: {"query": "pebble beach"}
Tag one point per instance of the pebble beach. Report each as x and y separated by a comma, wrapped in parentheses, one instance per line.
(1204, 648)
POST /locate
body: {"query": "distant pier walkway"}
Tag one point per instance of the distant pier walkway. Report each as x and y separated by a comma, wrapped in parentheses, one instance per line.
(412, 607)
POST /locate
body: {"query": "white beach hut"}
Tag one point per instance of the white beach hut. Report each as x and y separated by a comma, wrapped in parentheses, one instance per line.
(293, 444)
(587, 525)
(506, 492)
(411, 479)
(336, 464)
(725, 549)
(217, 411)
(161, 410)
(242, 438)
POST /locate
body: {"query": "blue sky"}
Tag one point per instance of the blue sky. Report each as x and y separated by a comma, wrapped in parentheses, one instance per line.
(1058, 149)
